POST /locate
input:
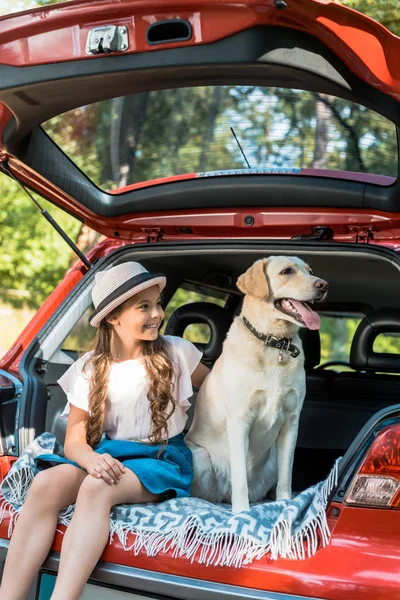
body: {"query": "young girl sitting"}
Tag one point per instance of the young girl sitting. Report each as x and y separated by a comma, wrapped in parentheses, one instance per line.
(134, 388)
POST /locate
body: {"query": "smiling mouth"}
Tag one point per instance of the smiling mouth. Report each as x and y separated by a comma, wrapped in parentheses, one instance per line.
(300, 311)
(152, 326)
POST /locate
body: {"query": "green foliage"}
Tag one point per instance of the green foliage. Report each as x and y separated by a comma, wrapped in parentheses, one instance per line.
(13, 6)
(387, 343)
(33, 257)
(386, 12)
(336, 337)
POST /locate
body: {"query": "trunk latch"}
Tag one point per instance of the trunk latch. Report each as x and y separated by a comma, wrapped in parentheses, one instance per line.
(108, 38)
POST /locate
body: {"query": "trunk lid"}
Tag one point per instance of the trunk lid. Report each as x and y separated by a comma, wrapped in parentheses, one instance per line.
(151, 121)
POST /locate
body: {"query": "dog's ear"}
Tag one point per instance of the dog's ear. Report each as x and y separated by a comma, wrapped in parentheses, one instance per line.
(254, 280)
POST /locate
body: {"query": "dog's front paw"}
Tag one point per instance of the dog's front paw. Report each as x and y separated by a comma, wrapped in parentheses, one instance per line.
(238, 507)
(283, 495)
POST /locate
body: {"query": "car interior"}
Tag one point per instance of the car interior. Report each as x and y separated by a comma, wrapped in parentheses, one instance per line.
(363, 280)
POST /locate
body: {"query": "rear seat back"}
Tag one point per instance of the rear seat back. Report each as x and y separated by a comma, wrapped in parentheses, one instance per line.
(218, 320)
(376, 382)
(332, 419)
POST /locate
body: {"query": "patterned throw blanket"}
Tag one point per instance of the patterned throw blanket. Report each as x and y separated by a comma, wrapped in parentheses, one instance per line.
(193, 528)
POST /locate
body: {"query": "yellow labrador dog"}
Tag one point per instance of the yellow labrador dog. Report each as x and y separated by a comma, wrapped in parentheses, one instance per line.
(247, 412)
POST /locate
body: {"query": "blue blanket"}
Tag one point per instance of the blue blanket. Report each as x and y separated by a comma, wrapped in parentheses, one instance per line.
(193, 528)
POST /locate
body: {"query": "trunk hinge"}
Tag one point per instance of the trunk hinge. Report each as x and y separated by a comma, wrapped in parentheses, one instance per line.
(362, 235)
(153, 235)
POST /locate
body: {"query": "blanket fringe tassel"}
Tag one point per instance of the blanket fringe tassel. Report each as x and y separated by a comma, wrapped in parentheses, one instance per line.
(231, 550)
(189, 541)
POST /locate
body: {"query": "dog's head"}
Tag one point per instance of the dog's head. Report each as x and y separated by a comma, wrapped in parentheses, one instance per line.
(288, 284)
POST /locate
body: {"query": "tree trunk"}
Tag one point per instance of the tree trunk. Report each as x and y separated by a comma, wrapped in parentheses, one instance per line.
(322, 114)
(209, 132)
(126, 126)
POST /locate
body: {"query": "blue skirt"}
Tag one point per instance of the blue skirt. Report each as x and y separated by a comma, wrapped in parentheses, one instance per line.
(170, 474)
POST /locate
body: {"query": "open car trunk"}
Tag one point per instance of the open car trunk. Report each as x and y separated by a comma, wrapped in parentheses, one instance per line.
(361, 280)
(268, 120)
(337, 404)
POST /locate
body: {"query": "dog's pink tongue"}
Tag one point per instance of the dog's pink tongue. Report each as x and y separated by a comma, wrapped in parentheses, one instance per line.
(310, 318)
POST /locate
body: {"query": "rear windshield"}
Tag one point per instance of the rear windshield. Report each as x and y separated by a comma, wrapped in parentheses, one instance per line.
(204, 130)
(8, 7)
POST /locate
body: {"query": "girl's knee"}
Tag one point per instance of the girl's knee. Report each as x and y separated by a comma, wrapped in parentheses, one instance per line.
(93, 489)
(55, 487)
(42, 493)
(42, 485)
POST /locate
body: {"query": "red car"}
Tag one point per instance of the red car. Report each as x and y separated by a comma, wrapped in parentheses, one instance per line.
(198, 137)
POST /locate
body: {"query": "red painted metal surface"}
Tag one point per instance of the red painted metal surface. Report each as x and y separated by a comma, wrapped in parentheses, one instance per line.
(58, 33)
(362, 561)
(271, 223)
(6, 463)
(5, 116)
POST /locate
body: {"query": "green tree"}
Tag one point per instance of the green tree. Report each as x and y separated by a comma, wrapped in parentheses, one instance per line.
(386, 12)
(13, 6)
(33, 257)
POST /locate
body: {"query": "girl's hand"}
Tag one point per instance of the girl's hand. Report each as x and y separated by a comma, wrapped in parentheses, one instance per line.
(106, 467)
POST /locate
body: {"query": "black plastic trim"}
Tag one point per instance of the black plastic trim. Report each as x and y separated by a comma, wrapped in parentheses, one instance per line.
(362, 355)
(155, 28)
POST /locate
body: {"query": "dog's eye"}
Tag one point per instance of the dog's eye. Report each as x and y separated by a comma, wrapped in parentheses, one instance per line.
(287, 271)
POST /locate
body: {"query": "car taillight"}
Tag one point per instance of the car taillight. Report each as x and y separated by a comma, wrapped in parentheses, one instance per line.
(378, 481)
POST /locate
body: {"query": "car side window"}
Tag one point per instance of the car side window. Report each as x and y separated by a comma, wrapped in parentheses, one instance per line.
(336, 334)
(387, 343)
(80, 338)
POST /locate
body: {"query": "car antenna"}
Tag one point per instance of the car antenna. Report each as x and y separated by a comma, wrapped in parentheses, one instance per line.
(241, 149)
(6, 168)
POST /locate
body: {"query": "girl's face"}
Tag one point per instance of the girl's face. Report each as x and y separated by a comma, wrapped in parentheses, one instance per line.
(140, 317)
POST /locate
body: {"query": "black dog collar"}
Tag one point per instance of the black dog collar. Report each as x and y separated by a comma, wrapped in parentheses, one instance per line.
(273, 341)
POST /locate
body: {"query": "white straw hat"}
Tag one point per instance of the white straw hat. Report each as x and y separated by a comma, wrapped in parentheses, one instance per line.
(114, 286)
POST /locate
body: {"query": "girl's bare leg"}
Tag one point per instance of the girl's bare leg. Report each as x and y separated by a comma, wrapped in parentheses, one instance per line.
(89, 530)
(34, 531)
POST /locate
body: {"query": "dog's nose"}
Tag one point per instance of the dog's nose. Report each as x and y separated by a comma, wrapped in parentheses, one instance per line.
(321, 285)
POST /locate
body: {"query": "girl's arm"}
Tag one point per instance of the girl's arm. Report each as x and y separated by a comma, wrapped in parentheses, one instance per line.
(77, 449)
(199, 375)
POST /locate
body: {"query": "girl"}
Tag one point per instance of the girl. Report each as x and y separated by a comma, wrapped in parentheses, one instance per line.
(134, 387)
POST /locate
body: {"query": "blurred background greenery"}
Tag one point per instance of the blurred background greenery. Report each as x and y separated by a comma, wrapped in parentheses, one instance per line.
(33, 258)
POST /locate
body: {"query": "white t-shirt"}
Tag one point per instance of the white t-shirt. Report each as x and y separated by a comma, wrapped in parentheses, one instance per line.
(128, 416)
